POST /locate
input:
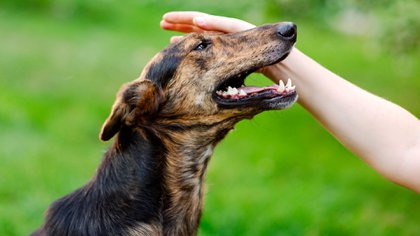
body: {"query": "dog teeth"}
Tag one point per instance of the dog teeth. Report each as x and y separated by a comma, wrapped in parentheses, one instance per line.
(281, 86)
(289, 86)
(229, 90)
(286, 88)
(232, 91)
(235, 92)
(289, 83)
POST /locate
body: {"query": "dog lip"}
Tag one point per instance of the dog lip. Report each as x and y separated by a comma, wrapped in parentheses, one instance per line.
(264, 100)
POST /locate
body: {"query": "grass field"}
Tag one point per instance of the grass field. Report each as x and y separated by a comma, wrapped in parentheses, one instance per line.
(279, 174)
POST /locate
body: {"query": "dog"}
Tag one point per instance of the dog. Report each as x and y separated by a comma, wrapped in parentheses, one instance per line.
(167, 123)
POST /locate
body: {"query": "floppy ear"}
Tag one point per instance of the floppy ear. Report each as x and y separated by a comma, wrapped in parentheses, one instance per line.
(135, 102)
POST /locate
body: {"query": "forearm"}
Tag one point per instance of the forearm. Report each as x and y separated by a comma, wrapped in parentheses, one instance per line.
(386, 136)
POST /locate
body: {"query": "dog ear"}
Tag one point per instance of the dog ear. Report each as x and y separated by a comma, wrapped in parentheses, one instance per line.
(136, 101)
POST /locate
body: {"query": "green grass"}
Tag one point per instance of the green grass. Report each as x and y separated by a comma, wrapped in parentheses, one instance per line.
(279, 174)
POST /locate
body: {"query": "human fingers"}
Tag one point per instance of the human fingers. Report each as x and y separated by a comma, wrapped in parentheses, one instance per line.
(175, 39)
(182, 17)
(207, 22)
(221, 23)
(185, 28)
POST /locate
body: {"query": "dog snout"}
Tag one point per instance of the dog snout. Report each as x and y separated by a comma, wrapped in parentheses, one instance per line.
(287, 31)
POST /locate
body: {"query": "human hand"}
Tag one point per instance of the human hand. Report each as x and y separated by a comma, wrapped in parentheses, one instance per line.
(191, 21)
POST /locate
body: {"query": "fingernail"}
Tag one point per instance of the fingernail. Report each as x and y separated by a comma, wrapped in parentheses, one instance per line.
(166, 15)
(199, 20)
(175, 39)
(163, 24)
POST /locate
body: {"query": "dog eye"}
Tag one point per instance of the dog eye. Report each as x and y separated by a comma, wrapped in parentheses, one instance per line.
(203, 45)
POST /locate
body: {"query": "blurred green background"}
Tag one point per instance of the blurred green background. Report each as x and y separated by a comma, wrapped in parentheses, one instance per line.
(62, 61)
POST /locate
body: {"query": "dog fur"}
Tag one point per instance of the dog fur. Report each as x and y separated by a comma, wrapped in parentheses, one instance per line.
(166, 123)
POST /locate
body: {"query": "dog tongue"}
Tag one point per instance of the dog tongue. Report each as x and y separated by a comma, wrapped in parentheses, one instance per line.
(254, 89)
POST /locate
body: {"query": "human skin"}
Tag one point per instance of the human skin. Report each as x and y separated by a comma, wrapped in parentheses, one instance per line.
(381, 133)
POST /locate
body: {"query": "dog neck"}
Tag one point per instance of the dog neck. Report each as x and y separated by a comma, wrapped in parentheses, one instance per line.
(186, 166)
(164, 172)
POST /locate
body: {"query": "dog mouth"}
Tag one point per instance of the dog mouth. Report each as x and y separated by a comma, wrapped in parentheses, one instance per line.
(232, 92)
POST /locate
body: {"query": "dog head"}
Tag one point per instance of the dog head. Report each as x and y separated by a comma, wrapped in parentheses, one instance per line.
(201, 79)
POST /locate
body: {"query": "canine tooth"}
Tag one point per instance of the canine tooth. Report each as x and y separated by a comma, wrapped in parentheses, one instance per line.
(289, 82)
(281, 86)
(291, 88)
(241, 92)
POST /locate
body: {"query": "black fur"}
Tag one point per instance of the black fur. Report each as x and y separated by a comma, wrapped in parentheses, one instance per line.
(162, 72)
(134, 164)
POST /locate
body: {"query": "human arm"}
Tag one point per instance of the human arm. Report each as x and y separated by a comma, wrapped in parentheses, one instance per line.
(384, 135)
(381, 133)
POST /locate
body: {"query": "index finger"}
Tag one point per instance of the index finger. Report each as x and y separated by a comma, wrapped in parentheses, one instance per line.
(182, 17)
(221, 23)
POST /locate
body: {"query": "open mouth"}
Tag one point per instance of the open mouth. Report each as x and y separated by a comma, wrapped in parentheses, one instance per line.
(232, 93)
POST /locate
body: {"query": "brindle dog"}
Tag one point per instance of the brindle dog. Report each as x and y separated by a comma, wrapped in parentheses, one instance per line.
(167, 123)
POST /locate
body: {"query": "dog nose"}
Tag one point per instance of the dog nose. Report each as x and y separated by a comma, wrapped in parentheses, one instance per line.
(287, 30)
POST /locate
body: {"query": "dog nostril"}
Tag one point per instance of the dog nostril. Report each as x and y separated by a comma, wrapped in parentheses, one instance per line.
(286, 30)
